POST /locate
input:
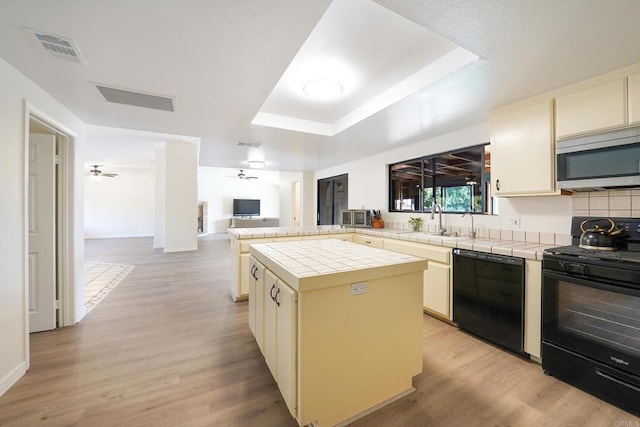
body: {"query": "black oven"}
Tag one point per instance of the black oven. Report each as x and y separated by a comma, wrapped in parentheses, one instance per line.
(591, 320)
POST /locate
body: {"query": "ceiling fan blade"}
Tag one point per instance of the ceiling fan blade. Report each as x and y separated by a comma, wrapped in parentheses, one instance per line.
(110, 175)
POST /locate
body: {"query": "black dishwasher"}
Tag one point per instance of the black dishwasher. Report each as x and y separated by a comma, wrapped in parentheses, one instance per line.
(488, 297)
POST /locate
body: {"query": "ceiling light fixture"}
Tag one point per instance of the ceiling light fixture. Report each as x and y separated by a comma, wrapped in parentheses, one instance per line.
(256, 164)
(323, 89)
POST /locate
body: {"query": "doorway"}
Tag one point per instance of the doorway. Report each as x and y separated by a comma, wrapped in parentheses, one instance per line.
(333, 195)
(50, 285)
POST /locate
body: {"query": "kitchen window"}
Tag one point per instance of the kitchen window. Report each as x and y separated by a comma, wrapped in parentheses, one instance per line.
(458, 181)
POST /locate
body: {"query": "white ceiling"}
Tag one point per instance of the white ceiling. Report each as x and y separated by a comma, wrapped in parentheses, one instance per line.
(220, 61)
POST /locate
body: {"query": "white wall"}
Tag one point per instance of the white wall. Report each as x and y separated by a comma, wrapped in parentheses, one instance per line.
(15, 90)
(219, 186)
(122, 206)
(368, 187)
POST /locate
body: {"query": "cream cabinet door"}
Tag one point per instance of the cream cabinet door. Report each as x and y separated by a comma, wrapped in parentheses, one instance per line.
(523, 150)
(532, 311)
(256, 299)
(286, 339)
(252, 296)
(592, 109)
(270, 322)
(243, 287)
(259, 305)
(437, 285)
(634, 98)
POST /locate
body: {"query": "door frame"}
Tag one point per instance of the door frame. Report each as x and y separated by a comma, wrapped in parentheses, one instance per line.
(332, 181)
(65, 188)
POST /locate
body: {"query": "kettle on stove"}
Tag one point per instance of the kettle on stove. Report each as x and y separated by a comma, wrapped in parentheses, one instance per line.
(598, 237)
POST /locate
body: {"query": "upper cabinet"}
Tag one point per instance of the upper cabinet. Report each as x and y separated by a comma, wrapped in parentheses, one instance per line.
(634, 98)
(595, 108)
(523, 150)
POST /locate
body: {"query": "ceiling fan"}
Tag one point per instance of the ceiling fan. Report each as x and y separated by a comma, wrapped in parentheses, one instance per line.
(95, 172)
(242, 175)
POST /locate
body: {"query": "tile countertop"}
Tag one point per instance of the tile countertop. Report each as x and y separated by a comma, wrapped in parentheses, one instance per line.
(522, 249)
(314, 264)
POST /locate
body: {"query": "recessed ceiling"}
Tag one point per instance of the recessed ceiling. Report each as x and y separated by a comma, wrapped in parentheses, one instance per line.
(363, 57)
(221, 60)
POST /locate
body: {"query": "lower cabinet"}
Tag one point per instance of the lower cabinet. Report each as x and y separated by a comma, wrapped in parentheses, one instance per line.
(256, 298)
(280, 336)
(436, 296)
(437, 285)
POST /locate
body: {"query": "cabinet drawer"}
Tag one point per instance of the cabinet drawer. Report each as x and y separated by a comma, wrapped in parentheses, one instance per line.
(430, 252)
(372, 241)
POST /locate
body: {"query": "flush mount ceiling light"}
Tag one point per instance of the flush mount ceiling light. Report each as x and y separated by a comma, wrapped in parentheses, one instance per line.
(323, 89)
(256, 164)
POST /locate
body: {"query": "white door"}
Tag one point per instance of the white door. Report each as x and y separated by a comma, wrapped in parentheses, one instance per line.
(42, 270)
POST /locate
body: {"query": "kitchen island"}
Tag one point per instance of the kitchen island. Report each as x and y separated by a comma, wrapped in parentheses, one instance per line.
(339, 324)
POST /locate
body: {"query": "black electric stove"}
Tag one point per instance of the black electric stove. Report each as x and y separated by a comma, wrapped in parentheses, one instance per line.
(591, 314)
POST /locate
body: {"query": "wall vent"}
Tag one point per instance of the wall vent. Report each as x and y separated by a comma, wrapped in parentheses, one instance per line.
(138, 99)
(58, 46)
(250, 144)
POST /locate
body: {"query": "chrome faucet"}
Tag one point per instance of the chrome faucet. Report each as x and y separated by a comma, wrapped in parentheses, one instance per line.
(472, 233)
(441, 230)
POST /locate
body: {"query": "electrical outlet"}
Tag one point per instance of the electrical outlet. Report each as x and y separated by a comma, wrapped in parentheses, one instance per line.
(358, 288)
(513, 221)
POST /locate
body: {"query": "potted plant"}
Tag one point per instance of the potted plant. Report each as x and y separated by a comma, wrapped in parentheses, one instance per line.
(415, 223)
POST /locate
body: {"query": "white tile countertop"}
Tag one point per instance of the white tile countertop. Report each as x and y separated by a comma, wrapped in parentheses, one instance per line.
(314, 264)
(519, 248)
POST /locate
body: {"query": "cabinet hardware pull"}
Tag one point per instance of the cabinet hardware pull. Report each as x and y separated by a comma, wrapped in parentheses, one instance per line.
(276, 298)
(498, 184)
(271, 292)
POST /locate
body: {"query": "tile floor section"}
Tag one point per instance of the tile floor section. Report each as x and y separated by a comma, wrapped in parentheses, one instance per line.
(100, 279)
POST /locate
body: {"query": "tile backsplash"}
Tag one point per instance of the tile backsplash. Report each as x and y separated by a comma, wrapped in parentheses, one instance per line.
(621, 203)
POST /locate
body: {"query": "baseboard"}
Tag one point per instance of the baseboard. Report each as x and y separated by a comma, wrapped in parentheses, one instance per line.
(114, 236)
(12, 377)
(185, 249)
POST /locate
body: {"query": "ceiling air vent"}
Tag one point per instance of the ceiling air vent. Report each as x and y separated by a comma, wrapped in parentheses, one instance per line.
(137, 99)
(58, 46)
(250, 144)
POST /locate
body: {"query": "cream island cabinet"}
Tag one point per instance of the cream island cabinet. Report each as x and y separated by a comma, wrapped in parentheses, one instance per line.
(342, 326)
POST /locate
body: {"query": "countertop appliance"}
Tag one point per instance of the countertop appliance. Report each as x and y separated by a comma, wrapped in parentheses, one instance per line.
(600, 161)
(355, 218)
(488, 297)
(591, 314)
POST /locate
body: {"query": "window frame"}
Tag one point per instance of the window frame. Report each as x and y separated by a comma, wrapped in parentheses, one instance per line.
(423, 206)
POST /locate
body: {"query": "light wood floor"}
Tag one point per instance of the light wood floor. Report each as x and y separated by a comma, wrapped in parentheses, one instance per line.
(167, 347)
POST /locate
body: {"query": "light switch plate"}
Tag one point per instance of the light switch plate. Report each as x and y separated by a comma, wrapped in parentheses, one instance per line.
(359, 288)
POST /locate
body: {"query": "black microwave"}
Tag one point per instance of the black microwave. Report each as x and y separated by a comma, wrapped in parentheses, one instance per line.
(600, 161)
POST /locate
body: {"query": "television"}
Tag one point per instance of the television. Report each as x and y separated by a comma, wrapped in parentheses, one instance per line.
(246, 207)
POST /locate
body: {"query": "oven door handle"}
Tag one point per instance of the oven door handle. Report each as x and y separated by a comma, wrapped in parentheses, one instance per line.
(616, 380)
(593, 283)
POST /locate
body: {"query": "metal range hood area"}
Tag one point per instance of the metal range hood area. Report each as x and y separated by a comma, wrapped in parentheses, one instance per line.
(600, 161)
